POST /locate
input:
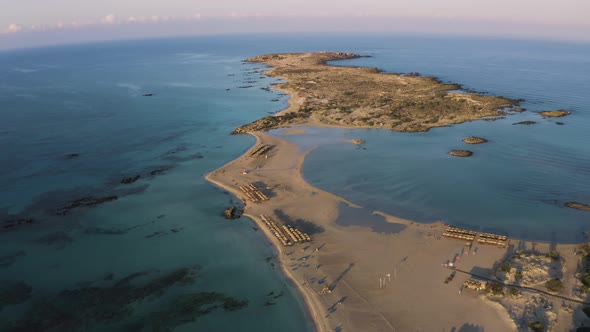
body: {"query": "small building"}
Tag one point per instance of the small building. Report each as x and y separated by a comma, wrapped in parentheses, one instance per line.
(474, 284)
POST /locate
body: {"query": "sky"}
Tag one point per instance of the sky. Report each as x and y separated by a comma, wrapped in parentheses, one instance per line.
(25, 23)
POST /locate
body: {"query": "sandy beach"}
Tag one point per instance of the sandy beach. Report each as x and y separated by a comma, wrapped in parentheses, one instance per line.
(381, 280)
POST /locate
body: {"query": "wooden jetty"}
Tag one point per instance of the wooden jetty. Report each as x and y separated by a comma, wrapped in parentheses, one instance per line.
(253, 193)
(264, 148)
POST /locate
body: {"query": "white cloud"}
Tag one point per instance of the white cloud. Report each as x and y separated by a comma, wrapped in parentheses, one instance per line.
(109, 19)
(14, 28)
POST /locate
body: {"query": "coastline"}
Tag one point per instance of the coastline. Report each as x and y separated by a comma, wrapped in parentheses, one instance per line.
(357, 259)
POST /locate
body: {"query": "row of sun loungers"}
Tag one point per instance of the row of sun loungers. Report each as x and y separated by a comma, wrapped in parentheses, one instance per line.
(484, 238)
(253, 193)
(459, 233)
(460, 230)
(499, 243)
(296, 235)
(287, 235)
(272, 226)
(493, 236)
(494, 239)
(261, 150)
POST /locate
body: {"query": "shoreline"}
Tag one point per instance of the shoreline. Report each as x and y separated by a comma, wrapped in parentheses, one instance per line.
(311, 305)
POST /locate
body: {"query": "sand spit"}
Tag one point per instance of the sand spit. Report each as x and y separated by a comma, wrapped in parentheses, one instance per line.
(382, 281)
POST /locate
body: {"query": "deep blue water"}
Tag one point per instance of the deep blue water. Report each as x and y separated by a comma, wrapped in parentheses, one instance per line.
(87, 100)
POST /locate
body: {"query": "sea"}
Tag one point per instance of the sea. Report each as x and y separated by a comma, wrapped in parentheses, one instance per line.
(80, 123)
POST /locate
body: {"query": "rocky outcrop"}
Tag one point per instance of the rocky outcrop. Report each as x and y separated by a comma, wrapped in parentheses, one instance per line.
(577, 206)
(268, 123)
(357, 141)
(461, 153)
(474, 140)
(554, 114)
(232, 213)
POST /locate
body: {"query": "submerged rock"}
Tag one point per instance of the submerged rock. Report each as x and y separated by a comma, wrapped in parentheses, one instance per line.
(8, 260)
(58, 240)
(461, 153)
(519, 109)
(14, 293)
(559, 123)
(528, 122)
(577, 206)
(71, 155)
(474, 140)
(84, 202)
(12, 224)
(554, 114)
(130, 179)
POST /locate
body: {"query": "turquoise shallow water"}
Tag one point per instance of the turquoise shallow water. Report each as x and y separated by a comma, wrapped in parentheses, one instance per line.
(516, 184)
(87, 99)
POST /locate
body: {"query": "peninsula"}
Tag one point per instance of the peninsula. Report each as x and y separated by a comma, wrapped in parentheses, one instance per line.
(363, 270)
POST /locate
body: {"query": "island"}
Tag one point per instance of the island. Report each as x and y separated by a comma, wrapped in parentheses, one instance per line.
(461, 153)
(554, 114)
(366, 97)
(364, 270)
(578, 206)
(475, 140)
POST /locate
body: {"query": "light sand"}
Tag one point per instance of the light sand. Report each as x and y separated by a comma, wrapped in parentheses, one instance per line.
(352, 259)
